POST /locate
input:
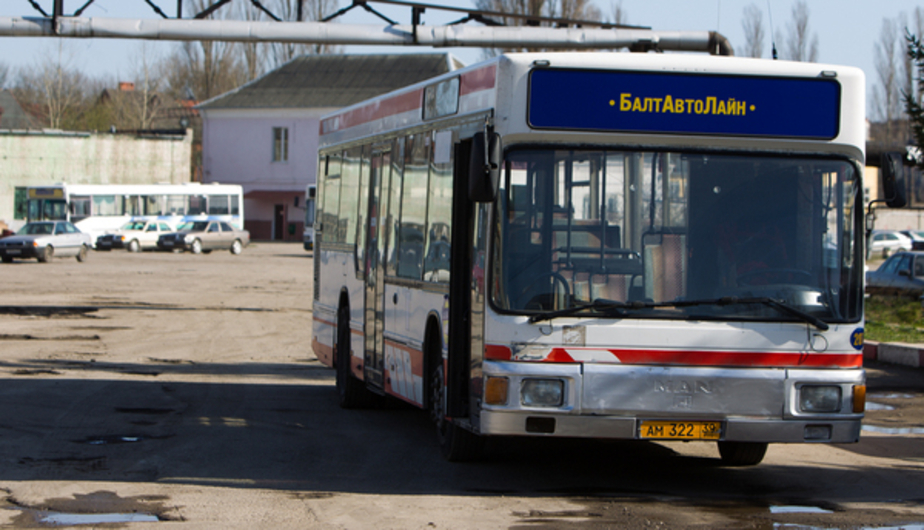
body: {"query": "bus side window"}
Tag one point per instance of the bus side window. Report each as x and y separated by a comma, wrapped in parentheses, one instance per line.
(394, 207)
(331, 199)
(439, 210)
(412, 229)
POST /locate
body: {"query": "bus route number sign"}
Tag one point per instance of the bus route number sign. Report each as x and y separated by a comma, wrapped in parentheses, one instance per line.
(680, 430)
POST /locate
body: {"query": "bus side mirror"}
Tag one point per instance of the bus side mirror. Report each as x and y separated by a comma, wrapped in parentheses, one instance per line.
(484, 167)
(892, 170)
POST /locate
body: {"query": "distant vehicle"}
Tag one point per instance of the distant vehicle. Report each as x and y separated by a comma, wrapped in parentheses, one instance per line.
(310, 208)
(901, 274)
(887, 242)
(98, 209)
(135, 236)
(917, 238)
(44, 240)
(205, 236)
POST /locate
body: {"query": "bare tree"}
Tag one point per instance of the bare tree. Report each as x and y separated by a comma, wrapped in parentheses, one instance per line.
(203, 69)
(253, 54)
(886, 103)
(135, 105)
(620, 16)
(753, 25)
(312, 10)
(4, 74)
(800, 44)
(571, 9)
(57, 91)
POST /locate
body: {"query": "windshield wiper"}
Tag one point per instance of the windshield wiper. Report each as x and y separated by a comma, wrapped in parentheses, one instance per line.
(600, 304)
(612, 306)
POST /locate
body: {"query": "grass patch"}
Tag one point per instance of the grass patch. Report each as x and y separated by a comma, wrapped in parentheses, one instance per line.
(894, 319)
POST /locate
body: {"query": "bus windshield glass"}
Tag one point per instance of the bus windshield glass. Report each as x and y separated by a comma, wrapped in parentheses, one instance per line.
(630, 234)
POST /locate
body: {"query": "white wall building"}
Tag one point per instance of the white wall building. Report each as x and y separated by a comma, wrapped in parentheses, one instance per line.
(264, 135)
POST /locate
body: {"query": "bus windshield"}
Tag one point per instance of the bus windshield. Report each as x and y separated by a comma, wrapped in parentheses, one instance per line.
(633, 234)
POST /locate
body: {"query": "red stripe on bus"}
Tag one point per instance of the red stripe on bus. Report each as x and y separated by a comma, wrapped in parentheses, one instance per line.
(477, 80)
(717, 358)
(375, 110)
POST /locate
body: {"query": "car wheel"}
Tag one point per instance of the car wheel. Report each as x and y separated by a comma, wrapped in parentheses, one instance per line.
(7, 259)
(134, 246)
(82, 255)
(196, 247)
(46, 254)
(236, 247)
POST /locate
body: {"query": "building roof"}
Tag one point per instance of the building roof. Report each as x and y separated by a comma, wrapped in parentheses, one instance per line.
(325, 81)
(12, 115)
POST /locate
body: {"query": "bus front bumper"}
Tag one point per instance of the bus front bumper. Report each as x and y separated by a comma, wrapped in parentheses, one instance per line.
(615, 401)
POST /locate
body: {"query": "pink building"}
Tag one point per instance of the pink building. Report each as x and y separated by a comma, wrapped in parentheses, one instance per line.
(264, 135)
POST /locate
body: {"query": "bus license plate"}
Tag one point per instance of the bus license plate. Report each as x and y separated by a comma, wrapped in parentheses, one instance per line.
(680, 430)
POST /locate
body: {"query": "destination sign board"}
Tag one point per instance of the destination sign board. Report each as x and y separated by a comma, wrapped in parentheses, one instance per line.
(653, 102)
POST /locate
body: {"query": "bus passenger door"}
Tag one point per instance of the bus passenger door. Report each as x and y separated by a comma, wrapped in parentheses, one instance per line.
(375, 269)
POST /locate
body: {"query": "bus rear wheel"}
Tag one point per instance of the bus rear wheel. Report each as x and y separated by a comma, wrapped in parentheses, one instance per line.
(351, 392)
(739, 454)
(456, 444)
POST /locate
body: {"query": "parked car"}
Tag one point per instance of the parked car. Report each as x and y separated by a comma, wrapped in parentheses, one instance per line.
(205, 236)
(901, 274)
(917, 238)
(886, 242)
(45, 239)
(135, 236)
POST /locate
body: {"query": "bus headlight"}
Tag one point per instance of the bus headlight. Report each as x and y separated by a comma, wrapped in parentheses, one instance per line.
(542, 393)
(820, 398)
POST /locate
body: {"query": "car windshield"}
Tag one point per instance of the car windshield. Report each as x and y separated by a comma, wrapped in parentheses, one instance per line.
(38, 229)
(194, 226)
(677, 235)
(134, 225)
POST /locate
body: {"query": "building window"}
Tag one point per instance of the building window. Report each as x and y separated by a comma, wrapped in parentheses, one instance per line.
(280, 144)
(20, 203)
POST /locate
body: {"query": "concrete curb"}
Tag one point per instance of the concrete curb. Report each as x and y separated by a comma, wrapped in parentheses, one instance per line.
(894, 353)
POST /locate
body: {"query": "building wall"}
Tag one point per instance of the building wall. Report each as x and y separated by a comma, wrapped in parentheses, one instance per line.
(238, 149)
(30, 158)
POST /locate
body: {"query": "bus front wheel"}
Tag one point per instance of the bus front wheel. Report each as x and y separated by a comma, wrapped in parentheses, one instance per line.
(738, 454)
(456, 443)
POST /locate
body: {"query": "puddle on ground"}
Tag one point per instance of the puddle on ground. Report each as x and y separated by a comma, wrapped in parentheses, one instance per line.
(57, 518)
(870, 405)
(798, 509)
(893, 430)
(793, 526)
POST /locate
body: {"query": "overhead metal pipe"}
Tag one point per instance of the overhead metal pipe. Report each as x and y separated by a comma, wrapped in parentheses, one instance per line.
(363, 34)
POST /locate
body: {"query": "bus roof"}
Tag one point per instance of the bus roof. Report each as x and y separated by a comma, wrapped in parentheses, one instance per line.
(501, 82)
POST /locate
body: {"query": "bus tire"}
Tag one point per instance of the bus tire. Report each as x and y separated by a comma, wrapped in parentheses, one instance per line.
(351, 392)
(738, 454)
(82, 254)
(47, 253)
(456, 443)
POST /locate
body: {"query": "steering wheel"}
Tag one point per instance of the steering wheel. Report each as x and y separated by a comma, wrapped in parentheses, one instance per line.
(536, 284)
(805, 275)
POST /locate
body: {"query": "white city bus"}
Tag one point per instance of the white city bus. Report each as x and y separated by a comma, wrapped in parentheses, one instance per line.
(100, 208)
(601, 245)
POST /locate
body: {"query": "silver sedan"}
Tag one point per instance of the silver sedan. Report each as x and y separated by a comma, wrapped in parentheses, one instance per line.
(44, 239)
